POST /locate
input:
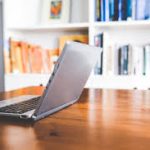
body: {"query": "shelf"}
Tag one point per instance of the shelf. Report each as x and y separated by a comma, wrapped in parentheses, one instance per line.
(68, 26)
(129, 24)
(25, 80)
(118, 82)
(95, 81)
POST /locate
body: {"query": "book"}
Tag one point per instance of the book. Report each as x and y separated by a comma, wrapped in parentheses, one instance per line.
(102, 10)
(77, 38)
(98, 42)
(54, 54)
(147, 60)
(7, 62)
(25, 56)
(47, 61)
(133, 14)
(116, 10)
(138, 60)
(97, 10)
(129, 9)
(125, 60)
(35, 58)
(15, 56)
(140, 9)
(147, 9)
(106, 9)
(111, 10)
(124, 11)
(130, 60)
(30, 58)
(18, 58)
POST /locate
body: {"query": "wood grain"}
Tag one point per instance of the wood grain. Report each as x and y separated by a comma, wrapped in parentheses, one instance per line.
(101, 119)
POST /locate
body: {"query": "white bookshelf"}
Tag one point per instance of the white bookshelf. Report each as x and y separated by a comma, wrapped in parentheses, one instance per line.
(82, 21)
(122, 24)
(64, 27)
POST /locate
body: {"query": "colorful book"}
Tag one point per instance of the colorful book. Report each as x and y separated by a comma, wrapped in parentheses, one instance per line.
(35, 57)
(129, 9)
(15, 56)
(147, 9)
(97, 9)
(111, 10)
(25, 56)
(7, 62)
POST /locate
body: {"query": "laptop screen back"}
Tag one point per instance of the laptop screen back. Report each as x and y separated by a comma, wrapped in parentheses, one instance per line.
(70, 76)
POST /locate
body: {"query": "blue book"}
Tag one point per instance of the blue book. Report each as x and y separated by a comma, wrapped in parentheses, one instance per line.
(106, 10)
(102, 10)
(124, 10)
(119, 10)
(140, 9)
(133, 14)
(129, 9)
(111, 10)
(116, 2)
(147, 9)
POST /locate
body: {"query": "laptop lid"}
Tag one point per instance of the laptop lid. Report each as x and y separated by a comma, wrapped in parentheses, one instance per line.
(69, 77)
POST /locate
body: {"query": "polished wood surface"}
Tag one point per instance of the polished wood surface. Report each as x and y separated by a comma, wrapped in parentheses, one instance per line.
(100, 120)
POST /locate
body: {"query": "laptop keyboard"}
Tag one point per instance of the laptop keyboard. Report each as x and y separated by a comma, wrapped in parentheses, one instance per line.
(21, 107)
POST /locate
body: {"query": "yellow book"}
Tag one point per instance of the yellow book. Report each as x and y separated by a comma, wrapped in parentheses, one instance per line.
(77, 38)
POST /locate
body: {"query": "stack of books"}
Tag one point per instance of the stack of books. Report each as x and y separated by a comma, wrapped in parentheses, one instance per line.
(121, 59)
(24, 57)
(129, 60)
(117, 10)
(134, 60)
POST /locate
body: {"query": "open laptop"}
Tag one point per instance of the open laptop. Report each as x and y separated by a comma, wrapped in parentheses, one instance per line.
(64, 87)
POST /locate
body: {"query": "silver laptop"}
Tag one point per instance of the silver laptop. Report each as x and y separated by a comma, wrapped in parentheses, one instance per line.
(63, 89)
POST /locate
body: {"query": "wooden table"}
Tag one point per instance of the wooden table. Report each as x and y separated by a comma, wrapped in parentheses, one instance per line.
(100, 120)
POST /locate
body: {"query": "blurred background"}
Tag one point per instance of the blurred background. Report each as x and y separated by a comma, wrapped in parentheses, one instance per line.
(33, 33)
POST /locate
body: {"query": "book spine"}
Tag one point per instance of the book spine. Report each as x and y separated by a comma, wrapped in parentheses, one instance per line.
(133, 15)
(147, 9)
(102, 12)
(125, 60)
(116, 10)
(140, 9)
(97, 8)
(98, 43)
(119, 61)
(111, 10)
(144, 63)
(124, 10)
(101, 63)
(129, 9)
(106, 10)
(130, 59)
(119, 10)
(147, 60)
